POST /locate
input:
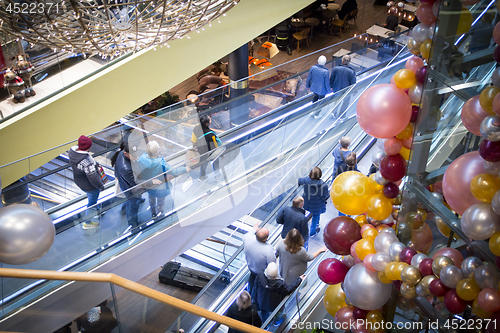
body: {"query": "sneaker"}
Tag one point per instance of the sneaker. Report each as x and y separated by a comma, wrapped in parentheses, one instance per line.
(315, 232)
(142, 200)
(201, 179)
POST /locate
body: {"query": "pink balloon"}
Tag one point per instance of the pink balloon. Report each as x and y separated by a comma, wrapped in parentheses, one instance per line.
(425, 14)
(473, 114)
(489, 300)
(496, 104)
(367, 262)
(457, 179)
(496, 33)
(392, 80)
(392, 146)
(383, 111)
(451, 253)
(414, 63)
(353, 251)
(408, 142)
(345, 315)
(366, 226)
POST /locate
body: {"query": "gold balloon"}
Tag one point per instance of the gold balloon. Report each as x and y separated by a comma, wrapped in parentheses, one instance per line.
(416, 219)
(486, 98)
(383, 278)
(373, 317)
(390, 271)
(379, 207)
(425, 48)
(425, 282)
(334, 299)
(364, 247)
(423, 213)
(374, 185)
(494, 243)
(408, 291)
(407, 132)
(411, 275)
(370, 233)
(484, 186)
(361, 219)
(350, 193)
(399, 269)
(397, 200)
(404, 79)
(439, 263)
(467, 289)
(413, 46)
(405, 153)
(464, 22)
(479, 311)
(443, 227)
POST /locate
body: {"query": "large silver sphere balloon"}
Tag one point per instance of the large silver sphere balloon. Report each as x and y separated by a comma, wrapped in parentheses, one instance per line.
(487, 276)
(384, 240)
(495, 77)
(379, 179)
(439, 263)
(495, 202)
(26, 234)
(395, 249)
(364, 289)
(492, 168)
(490, 128)
(469, 265)
(380, 260)
(377, 157)
(420, 32)
(438, 196)
(417, 259)
(387, 231)
(450, 276)
(480, 222)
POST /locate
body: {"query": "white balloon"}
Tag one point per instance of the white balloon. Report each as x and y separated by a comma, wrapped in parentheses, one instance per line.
(364, 289)
(384, 240)
(417, 259)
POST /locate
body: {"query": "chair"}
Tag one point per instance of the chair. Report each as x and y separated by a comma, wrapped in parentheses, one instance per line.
(341, 24)
(353, 15)
(301, 35)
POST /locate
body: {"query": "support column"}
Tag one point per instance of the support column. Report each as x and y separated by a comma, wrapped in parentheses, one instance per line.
(238, 69)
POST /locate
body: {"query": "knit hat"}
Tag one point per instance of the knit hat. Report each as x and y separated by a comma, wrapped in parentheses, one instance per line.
(271, 270)
(84, 143)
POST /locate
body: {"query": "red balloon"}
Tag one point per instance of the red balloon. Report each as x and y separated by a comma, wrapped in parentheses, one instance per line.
(397, 284)
(420, 74)
(473, 114)
(497, 262)
(496, 33)
(415, 109)
(425, 267)
(490, 150)
(451, 253)
(406, 254)
(453, 303)
(496, 54)
(489, 300)
(425, 14)
(390, 190)
(332, 271)
(393, 167)
(340, 233)
(359, 313)
(495, 318)
(437, 288)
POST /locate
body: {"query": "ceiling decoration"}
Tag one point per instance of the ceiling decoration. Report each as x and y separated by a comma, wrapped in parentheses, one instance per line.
(108, 28)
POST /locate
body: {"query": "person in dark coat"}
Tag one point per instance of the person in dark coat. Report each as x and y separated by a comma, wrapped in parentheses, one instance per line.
(315, 196)
(340, 153)
(205, 140)
(317, 79)
(347, 7)
(270, 289)
(99, 319)
(244, 311)
(392, 20)
(294, 217)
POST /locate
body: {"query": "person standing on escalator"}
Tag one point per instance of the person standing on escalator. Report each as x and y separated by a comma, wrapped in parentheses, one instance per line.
(342, 77)
(204, 140)
(317, 81)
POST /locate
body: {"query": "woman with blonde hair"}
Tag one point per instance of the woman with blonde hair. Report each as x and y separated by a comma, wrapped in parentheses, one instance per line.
(243, 310)
(293, 256)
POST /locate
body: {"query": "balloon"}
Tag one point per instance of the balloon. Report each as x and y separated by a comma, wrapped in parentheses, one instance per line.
(417, 259)
(414, 63)
(398, 268)
(370, 233)
(476, 309)
(467, 289)
(334, 299)
(426, 282)
(421, 239)
(345, 316)
(464, 22)
(473, 114)
(390, 190)
(395, 249)
(374, 185)
(364, 247)
(469, 265)
(450, 276)
(432, 27)
(435, 8)
(425, 267)
(484, 186)
(496, 100)
(451, 253)
(492, 168)
(490, 150)
(486, 98)
(383, 242)
(408, 291)
(332, 271)
(349, 261)
(487, 276)
(406, 144)
(480, 222)
(496, 54)
(421, 292)
(495, 318)
(392, 167)
(353, 251)
(415, 93)
(407, 254)
(383, 111)
(425, 48)
(380, 260)
(437, 288)
(378, 156)
(457, 179)
(411, 275)
(496, 36)
(439, 263)
(424, 13)
(490, 128)
(489, 300)
(453, 303)
(367, 262)
(405, 134)
(359, 313)
(26, 234)
(494, 243)
(443, 227)
(350, 192)
(383, 278)
(392, 146)
(420, 75)
(379, 179)
(380, 144)
(373, 320)
(340, 233)
(365, 227)
(404, 78)
(364, 289)
(379, 207)
(419, 33)
(413, 47)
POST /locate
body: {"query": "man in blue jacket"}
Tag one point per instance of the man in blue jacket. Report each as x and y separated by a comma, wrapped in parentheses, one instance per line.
(317, 79)
(342, 77)
(294, 217)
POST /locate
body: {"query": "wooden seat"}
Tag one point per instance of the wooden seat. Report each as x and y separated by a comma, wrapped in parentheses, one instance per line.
(341, 24)
(353, 15)
(301, 35)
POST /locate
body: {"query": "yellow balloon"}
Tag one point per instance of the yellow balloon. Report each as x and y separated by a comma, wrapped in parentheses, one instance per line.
(464, 22)
(484, 186)
(495, 243)
(405, 153)
(404, 79)
(370, 233)
(374, 316)
(398, 269)
(480, 312)
(486, 98)
(334, 299)
(425, 48)
(423, 213)
(350, 192)
(413, 46)
(379, 207)
(467, 289)
(374, 185)
(361, 219)
(443, 228)
(406, 133)
(383, 278)
(364, 247)
(390, 271)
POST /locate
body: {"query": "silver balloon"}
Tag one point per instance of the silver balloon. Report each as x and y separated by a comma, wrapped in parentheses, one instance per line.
(495, 77)
(387, 231)
(383, 241)
(420, 32)
(380, 260)
(495, 202)
(432, 27)
(415, 93)
(379, 179)
(438, 196)
(377, 157)
(349, 261)
(490, 128)
(417, 259)
(487, 276)
(480, 222)
(364, 289)
(395, 249)
(421, 292)
(450, 276)
(469, 265)
(26, 234)
(492, 168)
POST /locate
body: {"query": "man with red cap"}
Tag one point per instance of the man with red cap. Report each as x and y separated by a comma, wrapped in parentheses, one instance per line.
(86, 175)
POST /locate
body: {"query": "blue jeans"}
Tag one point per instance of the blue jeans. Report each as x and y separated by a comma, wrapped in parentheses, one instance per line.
(132, 210)
(92, 197)
(314, 223)
(264, 314)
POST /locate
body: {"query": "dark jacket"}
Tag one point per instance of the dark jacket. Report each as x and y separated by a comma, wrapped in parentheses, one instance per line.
(343, 167)
(84, 169)
(268, 293)
(204, 143)
(315, 195)
(317, 80)
(342, 77)
(124, 174)
(347, 8)
(293, 217)
(248, 315)
(392, 22)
